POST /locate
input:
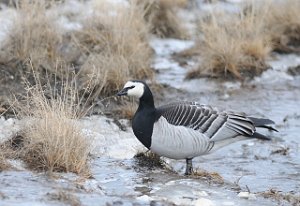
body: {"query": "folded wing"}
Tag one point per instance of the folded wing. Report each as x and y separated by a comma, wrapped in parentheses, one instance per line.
(215, 125)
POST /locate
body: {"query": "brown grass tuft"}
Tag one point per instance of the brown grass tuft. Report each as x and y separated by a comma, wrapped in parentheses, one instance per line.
(291, 197)
(33, 37)
(284, 24)
(210, 176)
(115, 47)
(234, 46)
(53, 140)
(163, 18)
(111, 48)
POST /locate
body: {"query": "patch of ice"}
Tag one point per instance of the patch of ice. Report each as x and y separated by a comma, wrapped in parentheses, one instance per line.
(169, 71)
(198, 85)
(283, 62)
(109, 140)
(92, 186)
(278, 73)
(165, 47)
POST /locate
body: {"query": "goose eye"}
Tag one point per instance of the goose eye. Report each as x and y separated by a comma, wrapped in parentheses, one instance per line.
(131, 87)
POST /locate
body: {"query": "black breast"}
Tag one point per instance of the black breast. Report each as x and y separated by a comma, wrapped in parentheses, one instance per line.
(142, 125)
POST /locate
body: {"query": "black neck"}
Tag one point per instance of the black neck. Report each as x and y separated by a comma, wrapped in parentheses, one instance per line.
(144, 119)
(147, 99)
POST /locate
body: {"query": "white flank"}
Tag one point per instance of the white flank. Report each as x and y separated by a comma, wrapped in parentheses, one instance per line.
(178, 142)
(137, 91)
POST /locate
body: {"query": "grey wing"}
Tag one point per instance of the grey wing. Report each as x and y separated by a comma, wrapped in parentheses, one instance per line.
(205, 119)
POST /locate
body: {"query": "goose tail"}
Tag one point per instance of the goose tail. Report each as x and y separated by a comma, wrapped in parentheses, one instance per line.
(262, 123)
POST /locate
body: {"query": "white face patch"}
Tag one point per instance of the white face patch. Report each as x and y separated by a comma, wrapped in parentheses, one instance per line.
(137, 91)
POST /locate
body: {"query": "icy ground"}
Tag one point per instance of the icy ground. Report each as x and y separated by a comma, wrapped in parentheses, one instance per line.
(252, 165)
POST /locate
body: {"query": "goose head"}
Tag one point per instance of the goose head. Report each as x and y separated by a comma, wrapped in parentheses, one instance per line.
(138, 89)
(133, 89)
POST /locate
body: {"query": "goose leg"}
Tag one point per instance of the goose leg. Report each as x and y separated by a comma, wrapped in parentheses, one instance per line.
(189, 166)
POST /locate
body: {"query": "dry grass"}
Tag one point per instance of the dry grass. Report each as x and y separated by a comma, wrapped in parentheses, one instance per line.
(3, 163)
(53, 140)
(210, 176)
(126, 109)
(284, 24)
(291, 198)
(6, 152)
(234, 46)
(163, 18)
(111, 48)
(115, 47)
(33, 37)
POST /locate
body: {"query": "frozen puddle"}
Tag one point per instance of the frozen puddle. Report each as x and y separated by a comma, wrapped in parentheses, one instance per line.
(169, 71)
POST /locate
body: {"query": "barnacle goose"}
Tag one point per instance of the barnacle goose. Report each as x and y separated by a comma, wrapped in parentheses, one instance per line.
(184, 130)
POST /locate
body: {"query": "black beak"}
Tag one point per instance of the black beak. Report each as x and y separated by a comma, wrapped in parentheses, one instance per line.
(122, 92)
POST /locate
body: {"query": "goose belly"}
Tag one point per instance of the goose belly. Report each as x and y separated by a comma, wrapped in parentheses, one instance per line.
(178, 142)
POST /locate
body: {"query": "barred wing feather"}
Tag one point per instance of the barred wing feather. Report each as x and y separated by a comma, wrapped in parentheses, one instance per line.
(207, 120)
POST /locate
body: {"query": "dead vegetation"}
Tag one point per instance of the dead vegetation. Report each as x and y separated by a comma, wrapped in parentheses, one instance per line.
(35, 38)
(284, 24)
(291, 198)
(3, 162)
(236, 46)
(111, 47)
(233, 46)
(51, 139)
(149, 159)
(210, 176)
(163, 18)
(126, 110)
(115, 47)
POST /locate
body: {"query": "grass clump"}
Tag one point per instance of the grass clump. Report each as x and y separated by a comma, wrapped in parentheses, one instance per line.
(115, 47)
(284, 25)
(292, 198)
(33, 37)
(149, 159)
(52, 139)
(163, 18)
(234, 46)
(110, 47)
(210, 176)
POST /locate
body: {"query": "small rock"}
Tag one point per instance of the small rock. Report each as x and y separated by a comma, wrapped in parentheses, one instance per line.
(144, 198)
(247, 195)
(294, 71)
